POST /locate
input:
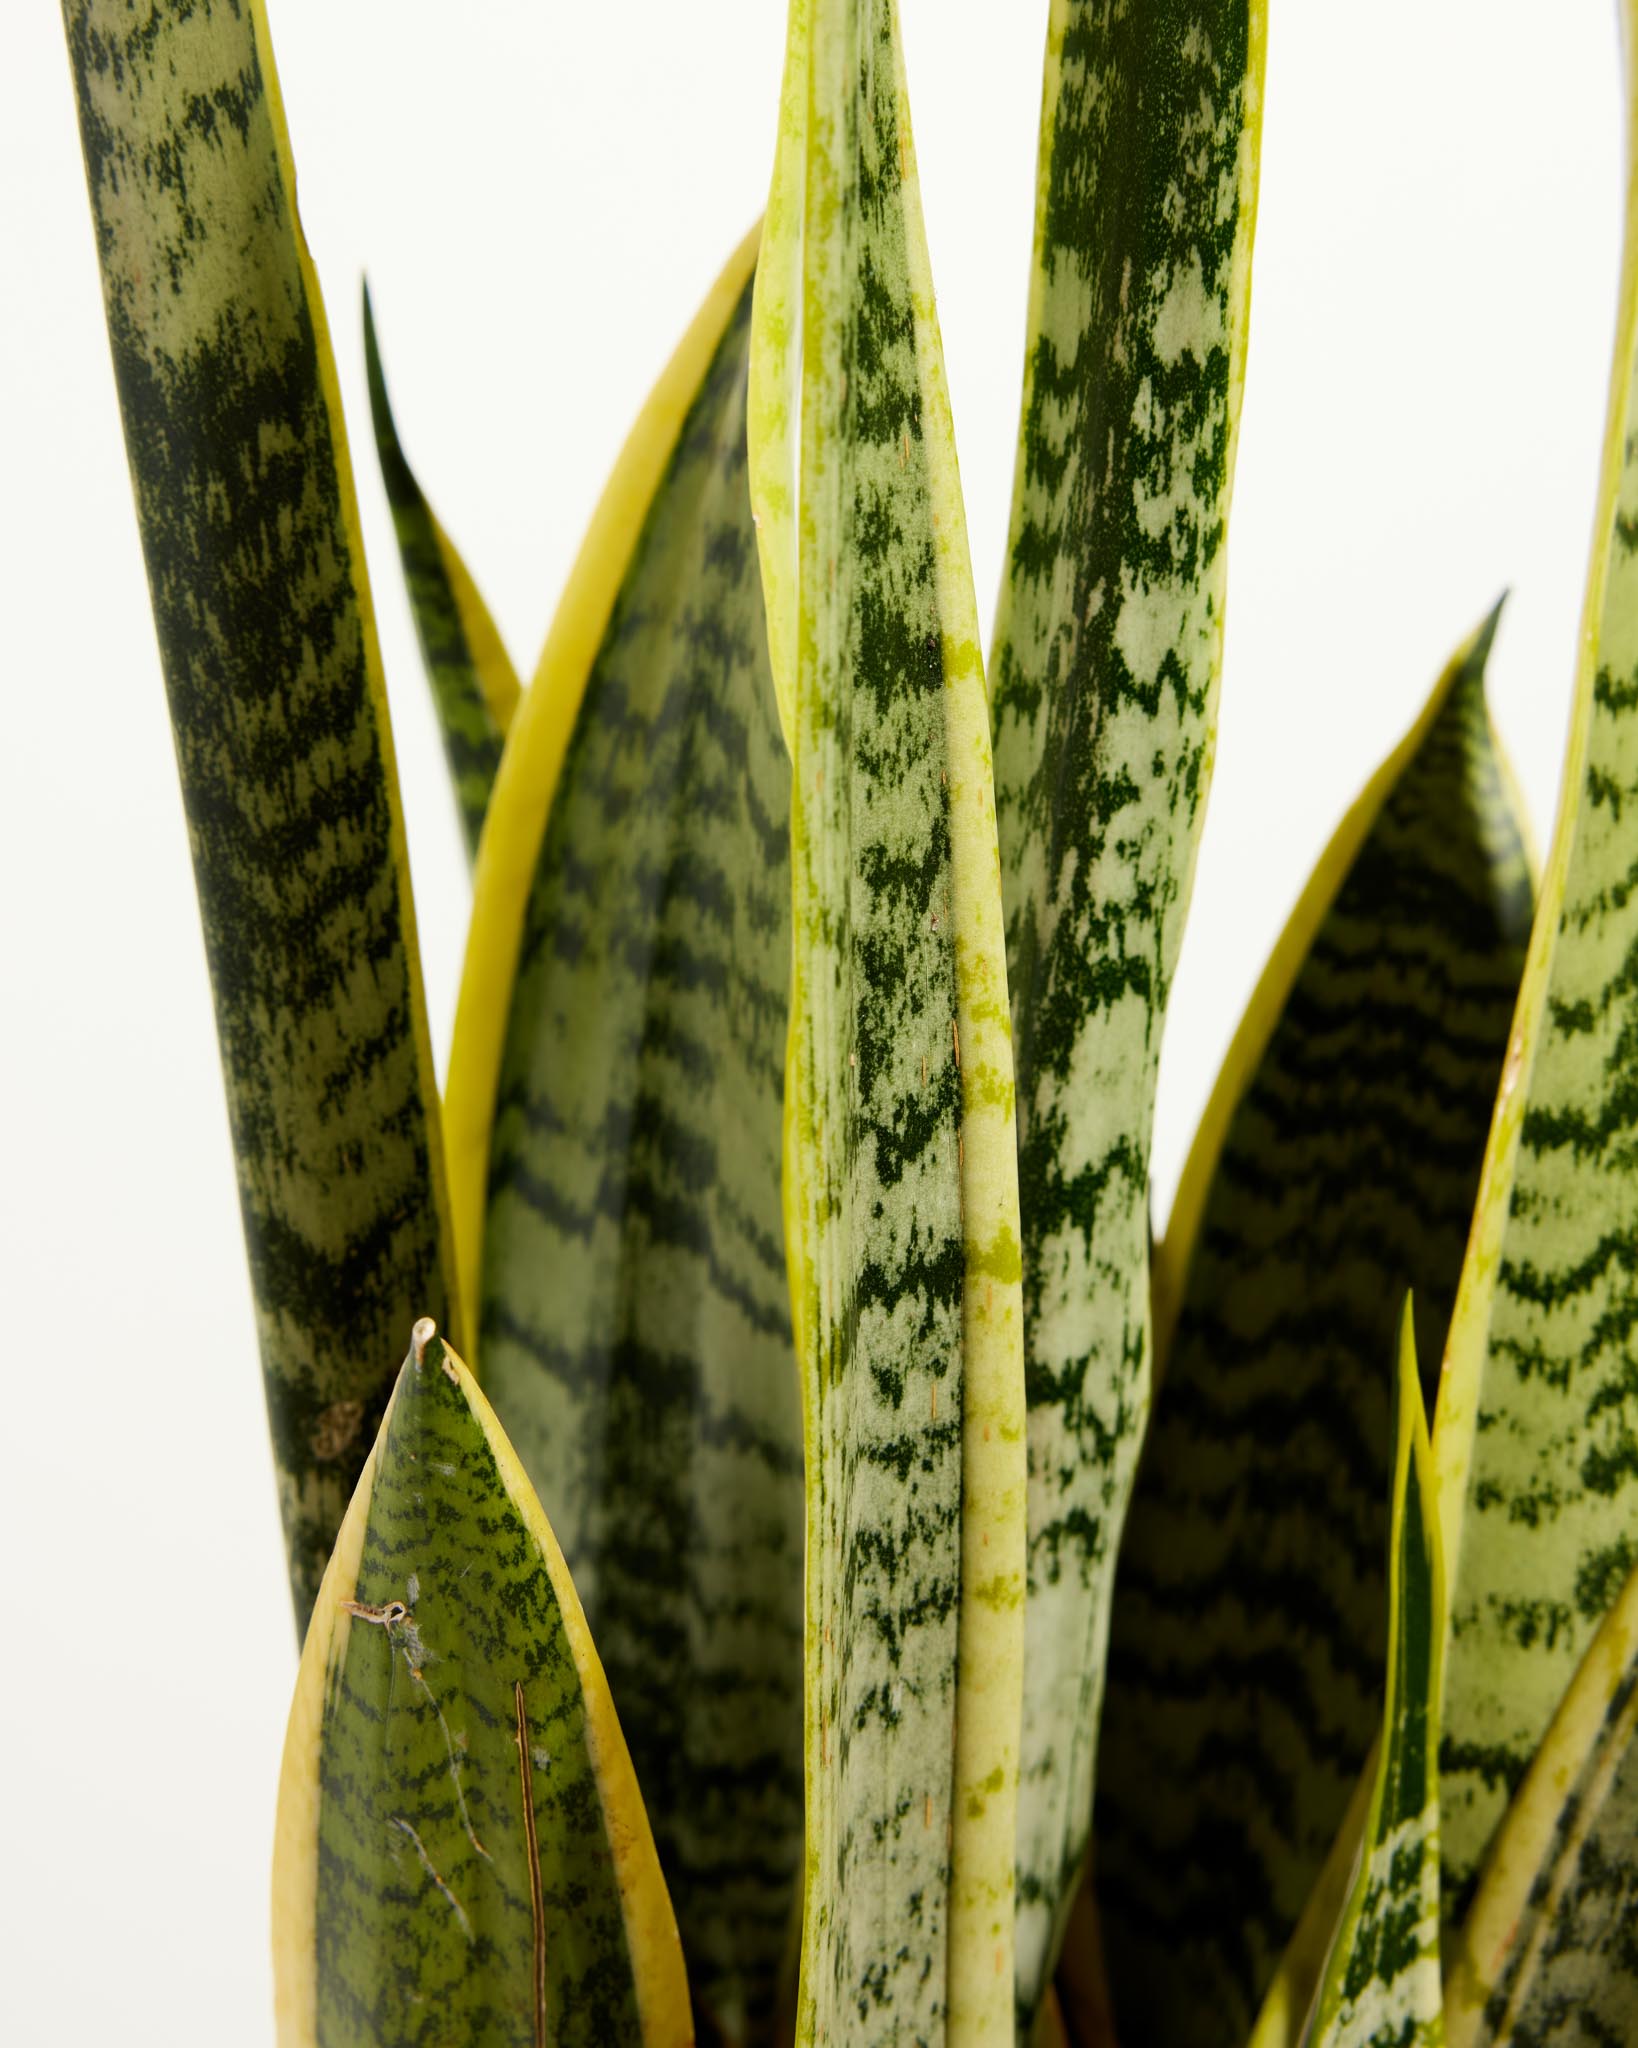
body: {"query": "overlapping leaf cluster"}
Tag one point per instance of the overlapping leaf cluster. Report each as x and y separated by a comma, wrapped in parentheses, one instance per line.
(787, 1724)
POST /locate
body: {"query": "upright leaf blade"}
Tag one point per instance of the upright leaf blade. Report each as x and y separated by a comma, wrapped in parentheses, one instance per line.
(901, 1198)
(249, 524)
(1381, 1987)
(460, 1838)
(1534, 1439)
(1252, 1601)
(635, 1306)
(474, 685)
(1106, 661)
(1549, 1952)
(1486, 805)
(537, 741)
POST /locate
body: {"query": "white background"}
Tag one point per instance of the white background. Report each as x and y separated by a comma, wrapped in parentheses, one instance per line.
(541, 193)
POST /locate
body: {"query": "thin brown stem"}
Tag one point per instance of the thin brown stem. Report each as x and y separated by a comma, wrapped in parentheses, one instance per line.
(537, 1901)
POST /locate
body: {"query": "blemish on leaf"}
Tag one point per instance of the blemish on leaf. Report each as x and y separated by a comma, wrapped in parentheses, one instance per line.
(336, 1430)
(427, 1865)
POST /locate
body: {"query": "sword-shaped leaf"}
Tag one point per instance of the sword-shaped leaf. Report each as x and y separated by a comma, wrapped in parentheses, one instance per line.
(1380, 1987)
(474, 685)
(1549, 1951)
(1535, 1439)
(1341, 1155)
(1462, 744)
(635, 1323)
(245, 499)
(1106, 661)
(461, 1844)
(901, 1196)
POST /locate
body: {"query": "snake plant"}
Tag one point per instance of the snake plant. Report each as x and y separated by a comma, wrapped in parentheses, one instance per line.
(824, 1571)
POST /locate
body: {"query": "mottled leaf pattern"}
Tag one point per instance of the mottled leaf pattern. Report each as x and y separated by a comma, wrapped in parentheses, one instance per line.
(1548, 1956)
(1174, 1254)
(474, 684)
(1380, 1988)
(256, 568)
(462, 1852)
(901, 1193)
(1246, 1655)
(636, 1320)
(1536, 1437)
(538, 737)
(1105, 668)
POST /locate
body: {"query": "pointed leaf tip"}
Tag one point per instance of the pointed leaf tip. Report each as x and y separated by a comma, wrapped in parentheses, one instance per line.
(1338, 1161)
(1382, 1978)
(474, 685)
(1538, 1485)
(1484, 636)
(459, 1826)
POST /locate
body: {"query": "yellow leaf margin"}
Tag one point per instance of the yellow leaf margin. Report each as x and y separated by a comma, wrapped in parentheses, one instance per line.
(536, 743)
(658, 1976)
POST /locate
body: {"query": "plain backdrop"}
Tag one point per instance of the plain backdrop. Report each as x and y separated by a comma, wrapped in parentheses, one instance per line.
(541, 192)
